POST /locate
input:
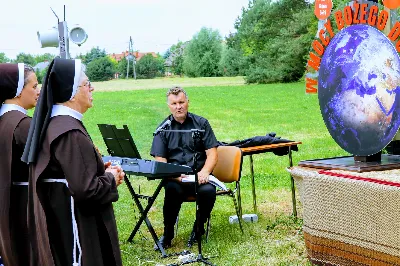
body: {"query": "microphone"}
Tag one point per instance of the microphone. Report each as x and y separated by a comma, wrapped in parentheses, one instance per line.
(163, 126)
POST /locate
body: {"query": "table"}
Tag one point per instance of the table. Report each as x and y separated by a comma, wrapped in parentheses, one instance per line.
(350, 218)
(250, 151)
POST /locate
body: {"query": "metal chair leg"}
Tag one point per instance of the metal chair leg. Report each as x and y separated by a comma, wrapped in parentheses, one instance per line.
(239, 199)
(253, 185)
(292, 186)
(237, 211)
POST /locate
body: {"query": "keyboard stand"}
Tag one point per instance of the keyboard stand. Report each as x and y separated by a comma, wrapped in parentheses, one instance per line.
(119, 143)
(143, 212)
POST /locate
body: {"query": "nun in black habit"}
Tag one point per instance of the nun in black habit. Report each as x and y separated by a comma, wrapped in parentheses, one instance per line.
(70, 212)
(18, 93)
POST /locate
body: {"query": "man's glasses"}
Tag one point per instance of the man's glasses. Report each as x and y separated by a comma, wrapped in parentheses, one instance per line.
(87, 84)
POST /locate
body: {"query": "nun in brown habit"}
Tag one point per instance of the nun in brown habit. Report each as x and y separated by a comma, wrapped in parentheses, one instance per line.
(18, 93)
(71, 191)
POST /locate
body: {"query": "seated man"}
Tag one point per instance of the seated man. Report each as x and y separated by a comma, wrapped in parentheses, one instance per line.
(179, 148)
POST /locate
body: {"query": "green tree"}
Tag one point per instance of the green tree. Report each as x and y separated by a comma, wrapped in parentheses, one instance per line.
(232, 62)
(94, 53)
(4, 58)
(203, 54)
(167, 53)
(122, 67)
(149, 67)
(44, 57)
(175, 58)
(26, 59)
(100, 69)
(275, 37)
(40, 74)
(114, 62)
(80, 56)
(232, 41)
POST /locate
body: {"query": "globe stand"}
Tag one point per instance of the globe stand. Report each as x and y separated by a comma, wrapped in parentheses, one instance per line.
(377, 157)
(349, 163)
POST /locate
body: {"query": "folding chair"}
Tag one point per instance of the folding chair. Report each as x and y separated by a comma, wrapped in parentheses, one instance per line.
(228, 170)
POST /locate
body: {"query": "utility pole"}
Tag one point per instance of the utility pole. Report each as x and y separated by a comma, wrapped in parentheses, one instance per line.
(134, 59)
(129, 57)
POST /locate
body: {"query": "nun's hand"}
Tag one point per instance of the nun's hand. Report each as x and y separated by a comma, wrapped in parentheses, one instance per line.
(117, 173)
(120, 178)
(107, 164)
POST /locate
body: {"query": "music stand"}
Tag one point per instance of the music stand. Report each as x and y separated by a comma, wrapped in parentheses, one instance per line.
(119, 143)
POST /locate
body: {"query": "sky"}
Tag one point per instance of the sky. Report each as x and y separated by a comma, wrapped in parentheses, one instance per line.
(154, 25)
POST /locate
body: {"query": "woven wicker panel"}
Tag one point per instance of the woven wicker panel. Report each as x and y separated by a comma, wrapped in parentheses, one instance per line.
(324, 251)
(359, 213)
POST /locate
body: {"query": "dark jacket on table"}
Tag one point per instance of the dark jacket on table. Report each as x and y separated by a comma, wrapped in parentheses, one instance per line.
(269, 138)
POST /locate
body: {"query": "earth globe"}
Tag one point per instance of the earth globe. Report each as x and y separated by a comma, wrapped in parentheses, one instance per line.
(358, 89)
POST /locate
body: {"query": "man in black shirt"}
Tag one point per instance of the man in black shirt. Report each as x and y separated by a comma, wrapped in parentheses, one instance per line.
(179, 148)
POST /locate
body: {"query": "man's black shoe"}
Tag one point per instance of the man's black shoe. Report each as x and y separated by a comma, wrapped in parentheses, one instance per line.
(192, 239)
(165, 243)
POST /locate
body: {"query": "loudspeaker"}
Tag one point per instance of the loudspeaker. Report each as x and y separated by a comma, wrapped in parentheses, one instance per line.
(78, 35)
(48, 38)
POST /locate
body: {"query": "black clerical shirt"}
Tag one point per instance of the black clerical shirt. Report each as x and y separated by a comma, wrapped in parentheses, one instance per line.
(179, 148)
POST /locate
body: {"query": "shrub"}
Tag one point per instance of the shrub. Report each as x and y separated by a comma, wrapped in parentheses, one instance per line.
(100, 69)
(149, 67)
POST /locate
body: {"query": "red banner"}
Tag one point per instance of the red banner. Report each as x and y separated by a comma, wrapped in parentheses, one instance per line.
(391, 4)
(323, 8)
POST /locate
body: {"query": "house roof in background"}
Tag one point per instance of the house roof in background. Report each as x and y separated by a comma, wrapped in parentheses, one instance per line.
(42, 65)
(136, 54)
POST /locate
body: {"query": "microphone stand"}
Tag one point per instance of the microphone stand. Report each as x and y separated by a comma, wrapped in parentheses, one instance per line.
(196, 135)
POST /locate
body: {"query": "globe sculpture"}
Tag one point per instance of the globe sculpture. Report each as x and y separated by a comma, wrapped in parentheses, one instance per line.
(358, 89)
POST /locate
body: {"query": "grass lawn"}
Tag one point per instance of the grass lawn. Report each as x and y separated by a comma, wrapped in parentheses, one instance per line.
(166, 82)
(234, 112)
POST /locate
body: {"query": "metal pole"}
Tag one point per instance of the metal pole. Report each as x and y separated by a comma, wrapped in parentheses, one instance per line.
(63, 37)
(127, 58)
(134, 59)
(292, 184)
(134, 68)
(253, 185)
(63, 40)
(127, 68)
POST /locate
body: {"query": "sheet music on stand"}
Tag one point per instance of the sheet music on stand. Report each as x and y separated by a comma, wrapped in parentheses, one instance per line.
(119, 142)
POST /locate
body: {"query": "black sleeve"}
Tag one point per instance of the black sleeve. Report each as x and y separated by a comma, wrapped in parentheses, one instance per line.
(209, 139)
(159, 147)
